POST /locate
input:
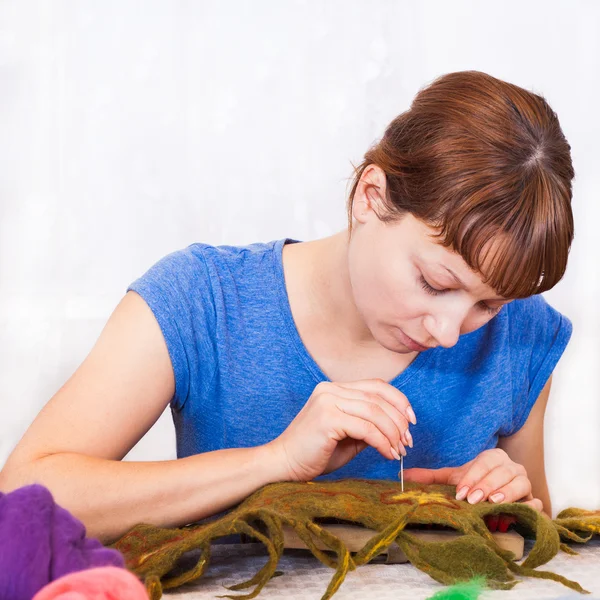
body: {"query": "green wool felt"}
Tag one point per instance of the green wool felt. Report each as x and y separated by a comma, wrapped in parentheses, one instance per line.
(470, 590)
(154, 553)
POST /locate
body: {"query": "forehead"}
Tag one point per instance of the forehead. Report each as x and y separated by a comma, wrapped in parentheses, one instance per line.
(446, 262)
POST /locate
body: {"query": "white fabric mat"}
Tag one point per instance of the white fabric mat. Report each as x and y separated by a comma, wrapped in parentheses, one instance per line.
(305, 577)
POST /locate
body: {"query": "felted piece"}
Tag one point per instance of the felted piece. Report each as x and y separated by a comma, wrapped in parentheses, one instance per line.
(154, 553)
(41, 541)
(101, 583)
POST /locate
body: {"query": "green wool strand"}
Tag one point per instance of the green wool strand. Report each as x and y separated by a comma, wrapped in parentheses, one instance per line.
(469, 590)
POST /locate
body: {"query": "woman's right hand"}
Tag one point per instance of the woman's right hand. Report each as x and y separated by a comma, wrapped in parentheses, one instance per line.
(338, 421)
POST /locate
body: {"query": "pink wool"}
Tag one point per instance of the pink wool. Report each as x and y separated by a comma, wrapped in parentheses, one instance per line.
(101, 583)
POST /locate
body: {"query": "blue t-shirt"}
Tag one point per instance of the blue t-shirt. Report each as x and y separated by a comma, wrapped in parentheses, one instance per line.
(242, 372)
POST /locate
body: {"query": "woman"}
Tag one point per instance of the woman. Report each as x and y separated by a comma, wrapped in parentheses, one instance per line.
(289, 361)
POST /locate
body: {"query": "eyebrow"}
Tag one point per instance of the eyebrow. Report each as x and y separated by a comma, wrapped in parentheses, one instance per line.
(455, 276)
(463, 284)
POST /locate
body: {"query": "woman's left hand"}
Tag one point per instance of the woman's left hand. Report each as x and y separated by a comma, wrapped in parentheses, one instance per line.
(491, 475)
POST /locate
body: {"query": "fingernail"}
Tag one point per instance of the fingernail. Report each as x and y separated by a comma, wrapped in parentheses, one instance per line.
(394, 453)
(411, 415)
(497, 498)
(475, 497)
(462, 492)
(402, 449)
(409, 438)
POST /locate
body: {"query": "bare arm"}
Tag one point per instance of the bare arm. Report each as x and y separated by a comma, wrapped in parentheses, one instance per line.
(75, 445)
(526, 447)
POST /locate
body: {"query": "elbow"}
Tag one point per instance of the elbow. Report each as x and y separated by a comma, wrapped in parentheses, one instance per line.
(16, 474)
(9, 480)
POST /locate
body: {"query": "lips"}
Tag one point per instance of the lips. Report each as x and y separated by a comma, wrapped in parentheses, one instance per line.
(412, 344)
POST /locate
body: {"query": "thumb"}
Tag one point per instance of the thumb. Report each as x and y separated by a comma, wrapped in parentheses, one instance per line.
(445, 475)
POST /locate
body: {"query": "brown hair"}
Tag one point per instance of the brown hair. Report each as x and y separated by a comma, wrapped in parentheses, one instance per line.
(480, 159)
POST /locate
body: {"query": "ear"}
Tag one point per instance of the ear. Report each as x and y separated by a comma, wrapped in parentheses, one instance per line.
(370, 192)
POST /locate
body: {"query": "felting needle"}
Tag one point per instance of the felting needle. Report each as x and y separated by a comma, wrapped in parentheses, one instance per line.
(402, 472)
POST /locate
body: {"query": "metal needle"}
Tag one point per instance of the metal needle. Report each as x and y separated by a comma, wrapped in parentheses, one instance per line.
(402, 472)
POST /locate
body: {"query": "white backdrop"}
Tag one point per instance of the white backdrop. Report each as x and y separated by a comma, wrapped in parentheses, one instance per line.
(130, 129)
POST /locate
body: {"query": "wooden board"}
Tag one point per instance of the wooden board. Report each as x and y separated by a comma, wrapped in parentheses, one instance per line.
(356, 537)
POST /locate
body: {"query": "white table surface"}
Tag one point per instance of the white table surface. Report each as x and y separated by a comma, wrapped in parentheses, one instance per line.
(305, 577)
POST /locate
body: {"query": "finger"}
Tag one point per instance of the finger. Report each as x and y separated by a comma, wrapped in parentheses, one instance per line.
(478, 468)
(366, 431)
(373, 412)
(445, 475)
(518, 488)
(345, 451)
(495, 485)
(535, 503)
(396, 415)
(386, 391)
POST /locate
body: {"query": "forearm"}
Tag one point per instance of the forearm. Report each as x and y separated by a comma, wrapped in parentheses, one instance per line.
(109, 497)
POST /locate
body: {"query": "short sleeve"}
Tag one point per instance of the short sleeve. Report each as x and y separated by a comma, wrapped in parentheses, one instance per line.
(178, 291)
(539, 335)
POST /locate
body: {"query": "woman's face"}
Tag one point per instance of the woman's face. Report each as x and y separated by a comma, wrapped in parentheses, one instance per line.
(411, 292)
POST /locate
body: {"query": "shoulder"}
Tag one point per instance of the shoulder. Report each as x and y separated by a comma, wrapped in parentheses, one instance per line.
(538, 335)
(534, 309)
(200, 260)
(524, 343)
(532, 322)
(229, 256)
(193, 292)
(523, 329)
(214, 281)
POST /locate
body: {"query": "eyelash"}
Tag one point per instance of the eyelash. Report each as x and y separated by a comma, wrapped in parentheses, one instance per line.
(435, 292)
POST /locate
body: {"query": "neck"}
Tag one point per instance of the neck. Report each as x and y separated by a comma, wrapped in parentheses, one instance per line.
(324, 268)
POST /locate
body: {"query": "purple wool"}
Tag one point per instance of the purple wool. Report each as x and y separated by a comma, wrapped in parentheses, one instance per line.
(40, 542)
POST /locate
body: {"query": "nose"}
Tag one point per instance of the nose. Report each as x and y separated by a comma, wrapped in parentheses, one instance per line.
(444, 328)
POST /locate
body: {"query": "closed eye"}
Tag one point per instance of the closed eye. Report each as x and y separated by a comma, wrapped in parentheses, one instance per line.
(492, 310)
(430, 289)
